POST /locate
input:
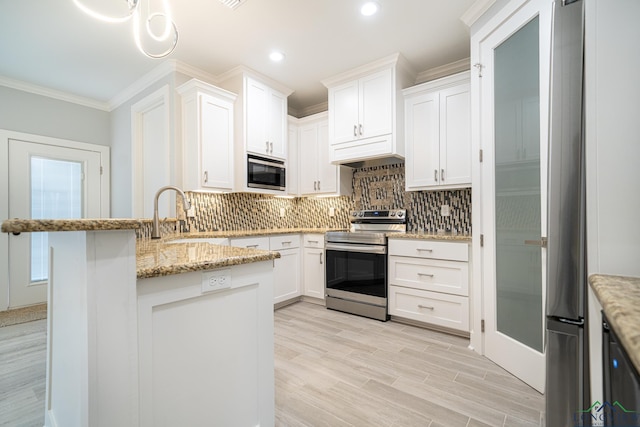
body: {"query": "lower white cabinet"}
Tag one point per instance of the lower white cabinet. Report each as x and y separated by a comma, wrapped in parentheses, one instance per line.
(429, 282)
(313, 266)
(286, 269)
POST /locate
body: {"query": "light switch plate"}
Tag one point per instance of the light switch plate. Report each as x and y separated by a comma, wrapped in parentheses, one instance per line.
(332, 211)
(282, 212)
(445, 210)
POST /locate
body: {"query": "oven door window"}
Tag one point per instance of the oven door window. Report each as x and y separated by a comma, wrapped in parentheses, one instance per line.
(357, 272)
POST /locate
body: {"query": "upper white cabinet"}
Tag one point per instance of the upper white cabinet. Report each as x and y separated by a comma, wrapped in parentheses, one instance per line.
(207, 136)
(266, 111)
(292, 158)
(438, 134)
(260, 121)
(317, 175)
(364, 108)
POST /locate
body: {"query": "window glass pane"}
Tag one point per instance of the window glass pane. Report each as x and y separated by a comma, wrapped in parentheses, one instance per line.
(56, 193)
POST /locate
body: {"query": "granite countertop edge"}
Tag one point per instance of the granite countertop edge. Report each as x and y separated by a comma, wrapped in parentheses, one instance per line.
(430, 236)
(83, 224)
(620, 300)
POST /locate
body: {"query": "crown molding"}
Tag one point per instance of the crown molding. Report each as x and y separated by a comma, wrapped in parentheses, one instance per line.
(475, 11)
(244, 70)
(387, 61)
(52, 93)
(310, 110)
(444, 70)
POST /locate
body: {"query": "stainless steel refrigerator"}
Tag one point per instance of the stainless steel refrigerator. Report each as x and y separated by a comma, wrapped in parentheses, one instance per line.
(567, 373)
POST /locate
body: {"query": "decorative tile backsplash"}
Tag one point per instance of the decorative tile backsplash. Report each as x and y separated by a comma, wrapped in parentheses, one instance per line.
(379, 187)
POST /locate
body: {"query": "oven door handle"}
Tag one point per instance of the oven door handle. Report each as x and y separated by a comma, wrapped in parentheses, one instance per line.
(348, 247)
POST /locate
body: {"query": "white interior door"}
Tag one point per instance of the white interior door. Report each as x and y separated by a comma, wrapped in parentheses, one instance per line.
(514, 102)
(45, 182)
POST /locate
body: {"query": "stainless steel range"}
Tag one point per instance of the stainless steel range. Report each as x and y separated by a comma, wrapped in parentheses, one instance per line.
(356, 262)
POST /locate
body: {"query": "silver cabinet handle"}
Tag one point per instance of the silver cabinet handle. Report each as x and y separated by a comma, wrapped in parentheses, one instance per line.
(267, 142)
(425, 274)
(435, 175)
(315, 185)
(206, 176)
(441, 174)
(252, 246)
(318, 185)
(355, 130)
(360, 130)
(287, 243)
(271, 147)
(320, 257)
(428, 307)
(424, 250)
(542, 242)
(313, 241)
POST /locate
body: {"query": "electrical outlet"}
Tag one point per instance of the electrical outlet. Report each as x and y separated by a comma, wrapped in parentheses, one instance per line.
(216, 280)
(283, 211)
(332, 211)
(445, 210)
(191, 212)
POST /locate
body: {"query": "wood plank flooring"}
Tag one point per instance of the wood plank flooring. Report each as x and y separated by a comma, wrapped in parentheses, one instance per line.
(335, 369)
(332, 369)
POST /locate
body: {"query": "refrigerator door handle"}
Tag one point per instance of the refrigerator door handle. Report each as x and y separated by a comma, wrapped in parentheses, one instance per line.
(542, 242)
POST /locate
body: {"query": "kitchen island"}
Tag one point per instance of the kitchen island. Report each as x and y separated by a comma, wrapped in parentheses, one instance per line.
(154, 333)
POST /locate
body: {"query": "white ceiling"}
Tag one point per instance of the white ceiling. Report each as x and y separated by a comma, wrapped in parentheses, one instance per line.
(51, 43)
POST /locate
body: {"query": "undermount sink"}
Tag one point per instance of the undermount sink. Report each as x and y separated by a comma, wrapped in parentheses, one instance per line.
(211, 240)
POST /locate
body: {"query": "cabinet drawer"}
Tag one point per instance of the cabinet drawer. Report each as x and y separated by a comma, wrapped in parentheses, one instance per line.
(451, 277)
(251, 242)
(285, 241)
(450, 311)
(454, 251)
(314, 240)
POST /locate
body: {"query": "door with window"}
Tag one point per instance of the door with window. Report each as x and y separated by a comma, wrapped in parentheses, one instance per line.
(514, 105)
(46, 182)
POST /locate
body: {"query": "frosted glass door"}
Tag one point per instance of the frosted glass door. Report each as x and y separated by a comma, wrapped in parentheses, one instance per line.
(517, 187)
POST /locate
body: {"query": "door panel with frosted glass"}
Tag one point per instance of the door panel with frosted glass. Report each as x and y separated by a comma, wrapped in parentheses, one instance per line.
(45, 182)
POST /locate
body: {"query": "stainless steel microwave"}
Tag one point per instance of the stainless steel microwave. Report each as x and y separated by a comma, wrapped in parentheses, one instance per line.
(265, 173)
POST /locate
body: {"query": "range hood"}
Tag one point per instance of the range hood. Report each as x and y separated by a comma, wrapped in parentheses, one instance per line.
(368, 163)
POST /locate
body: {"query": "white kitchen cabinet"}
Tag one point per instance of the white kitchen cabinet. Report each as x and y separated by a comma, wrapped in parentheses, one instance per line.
(429, 282)
(260, 121)
(266, 111)
(207, 136)
(438, 134)
(364, 107)
(316, 173)
(251, 242)
(286, 270)
(293, 176)
(313, 266)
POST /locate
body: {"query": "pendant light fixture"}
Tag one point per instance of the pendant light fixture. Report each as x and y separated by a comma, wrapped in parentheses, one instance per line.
(154, 33)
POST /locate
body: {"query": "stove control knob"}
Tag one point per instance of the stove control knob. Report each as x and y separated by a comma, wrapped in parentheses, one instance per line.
(360, 214)
(354, 214)
(400, 214)
(393, 213)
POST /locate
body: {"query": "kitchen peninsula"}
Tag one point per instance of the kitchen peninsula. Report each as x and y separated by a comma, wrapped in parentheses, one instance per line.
(154, 333)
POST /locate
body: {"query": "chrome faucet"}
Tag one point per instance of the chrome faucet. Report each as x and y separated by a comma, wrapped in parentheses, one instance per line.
(155, 232)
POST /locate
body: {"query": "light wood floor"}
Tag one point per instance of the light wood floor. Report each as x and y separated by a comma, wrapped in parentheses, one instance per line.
(335, 369)
(332, 369)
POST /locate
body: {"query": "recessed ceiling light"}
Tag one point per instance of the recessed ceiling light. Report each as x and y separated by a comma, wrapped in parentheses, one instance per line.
(276, 56)
(369, 8)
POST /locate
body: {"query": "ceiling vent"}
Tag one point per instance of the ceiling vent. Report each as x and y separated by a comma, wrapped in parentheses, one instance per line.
(232, 4)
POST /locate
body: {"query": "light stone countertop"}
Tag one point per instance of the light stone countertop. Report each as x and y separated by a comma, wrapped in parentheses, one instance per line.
(248, 233)
(161, 258)
(89, 224)
(424, 235)
(620, 300)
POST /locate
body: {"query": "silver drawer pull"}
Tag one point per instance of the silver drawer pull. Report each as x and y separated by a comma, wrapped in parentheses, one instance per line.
(320, 257)
(425, 306)
(252, 246)
(425, 274)
(313, 241)
(288, 242)
(424, 250)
